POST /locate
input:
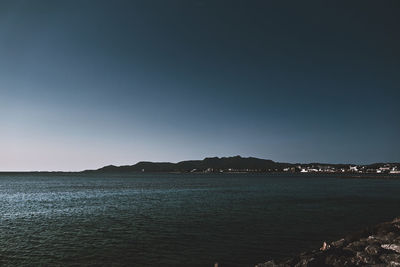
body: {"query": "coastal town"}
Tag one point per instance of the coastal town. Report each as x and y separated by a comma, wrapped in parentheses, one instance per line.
(377, 168)
(385, 169)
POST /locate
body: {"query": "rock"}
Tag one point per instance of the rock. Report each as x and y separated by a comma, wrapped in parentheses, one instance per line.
(304, 262)
(386, 237)
(365, 258)
(332, 260)
(390, 258)
(373, 249)
(338, 243)
(267, 264)
(376, 246)
(391, 247)
(357, 245)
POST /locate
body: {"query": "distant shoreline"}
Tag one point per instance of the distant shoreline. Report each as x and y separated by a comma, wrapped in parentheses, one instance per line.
(240, 164)
(334, 175)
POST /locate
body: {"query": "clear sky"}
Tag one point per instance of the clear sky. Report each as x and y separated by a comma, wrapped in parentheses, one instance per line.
(90, 83)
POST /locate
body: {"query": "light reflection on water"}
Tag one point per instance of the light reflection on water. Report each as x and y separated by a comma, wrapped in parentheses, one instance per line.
(188, 220)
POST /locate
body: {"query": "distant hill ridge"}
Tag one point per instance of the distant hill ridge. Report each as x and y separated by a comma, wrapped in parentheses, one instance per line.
(216, 164)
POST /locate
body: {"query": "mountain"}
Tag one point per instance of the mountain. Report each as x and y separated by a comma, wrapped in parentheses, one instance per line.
(236, 163)
(240, 164)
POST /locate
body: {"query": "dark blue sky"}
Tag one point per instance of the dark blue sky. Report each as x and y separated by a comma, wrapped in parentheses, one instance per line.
(89, 83)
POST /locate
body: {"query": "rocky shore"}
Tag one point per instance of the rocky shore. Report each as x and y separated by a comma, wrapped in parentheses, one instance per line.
(373, 246)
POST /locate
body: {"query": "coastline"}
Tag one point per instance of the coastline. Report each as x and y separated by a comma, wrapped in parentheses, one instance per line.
(266, 174)
(378, 245)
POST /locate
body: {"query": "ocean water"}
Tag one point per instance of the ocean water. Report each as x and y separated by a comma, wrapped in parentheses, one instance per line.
(181, 219)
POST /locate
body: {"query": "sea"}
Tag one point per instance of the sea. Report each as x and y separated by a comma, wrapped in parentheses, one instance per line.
(53, 219)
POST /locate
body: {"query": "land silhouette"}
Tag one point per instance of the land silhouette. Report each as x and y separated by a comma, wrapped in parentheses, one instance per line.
(246, 164)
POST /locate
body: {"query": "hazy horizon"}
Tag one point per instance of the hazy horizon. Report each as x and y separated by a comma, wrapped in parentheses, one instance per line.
(93, 83)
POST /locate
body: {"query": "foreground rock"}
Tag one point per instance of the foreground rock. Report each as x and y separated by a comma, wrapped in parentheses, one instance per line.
(374, 246)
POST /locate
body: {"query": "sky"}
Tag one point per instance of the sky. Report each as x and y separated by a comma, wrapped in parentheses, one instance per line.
(85, 84)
